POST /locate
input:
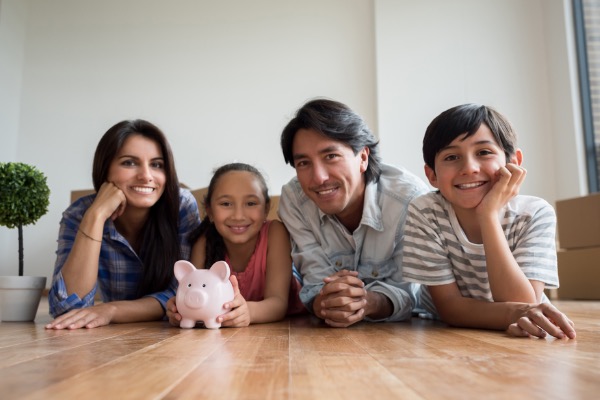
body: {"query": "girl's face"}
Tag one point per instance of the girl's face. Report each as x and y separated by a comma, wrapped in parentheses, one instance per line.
(138, 170)
(237, 207)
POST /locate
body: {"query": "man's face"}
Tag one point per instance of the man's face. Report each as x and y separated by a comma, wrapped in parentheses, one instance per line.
(330, 173)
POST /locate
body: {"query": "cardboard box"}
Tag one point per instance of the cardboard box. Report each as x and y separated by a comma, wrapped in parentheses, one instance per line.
(579, 222)
(579, 274)
(76, 194)
(199, 195)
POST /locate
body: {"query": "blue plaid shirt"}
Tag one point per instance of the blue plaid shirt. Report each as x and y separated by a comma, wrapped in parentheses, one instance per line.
(119, 267)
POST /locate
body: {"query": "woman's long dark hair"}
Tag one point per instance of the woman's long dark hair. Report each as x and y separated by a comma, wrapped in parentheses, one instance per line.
(215, 246)
(159, 242)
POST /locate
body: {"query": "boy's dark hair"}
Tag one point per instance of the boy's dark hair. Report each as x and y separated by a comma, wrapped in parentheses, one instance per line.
(338, 122)
(466, 118)
(215, 246)
(159, 245)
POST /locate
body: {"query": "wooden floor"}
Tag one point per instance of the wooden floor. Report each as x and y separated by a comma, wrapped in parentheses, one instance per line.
(299, 359)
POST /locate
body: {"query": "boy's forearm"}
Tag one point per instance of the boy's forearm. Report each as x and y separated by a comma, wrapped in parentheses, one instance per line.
(467, 312)
(507, 280)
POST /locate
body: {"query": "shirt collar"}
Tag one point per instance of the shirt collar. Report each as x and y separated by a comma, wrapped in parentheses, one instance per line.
(371, 215)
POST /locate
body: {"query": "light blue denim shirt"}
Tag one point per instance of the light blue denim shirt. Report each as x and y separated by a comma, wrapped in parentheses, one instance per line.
(321, 245)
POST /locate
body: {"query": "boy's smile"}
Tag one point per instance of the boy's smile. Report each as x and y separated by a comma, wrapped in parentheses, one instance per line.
(466, 169)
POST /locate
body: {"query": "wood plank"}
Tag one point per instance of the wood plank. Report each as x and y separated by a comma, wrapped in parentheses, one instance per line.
(147, 371)
(299, 358)
(254, 364)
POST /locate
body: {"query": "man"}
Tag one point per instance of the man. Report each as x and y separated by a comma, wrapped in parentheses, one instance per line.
(345, 212)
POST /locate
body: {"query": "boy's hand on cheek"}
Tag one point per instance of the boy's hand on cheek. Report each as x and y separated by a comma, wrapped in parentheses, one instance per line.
(507, 185)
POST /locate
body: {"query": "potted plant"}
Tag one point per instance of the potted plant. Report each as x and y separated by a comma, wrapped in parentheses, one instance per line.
(24, 198)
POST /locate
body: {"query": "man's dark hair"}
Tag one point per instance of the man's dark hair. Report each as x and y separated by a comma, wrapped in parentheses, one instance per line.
(338, 122)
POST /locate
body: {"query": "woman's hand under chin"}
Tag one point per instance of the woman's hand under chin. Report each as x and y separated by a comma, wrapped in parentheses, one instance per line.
(110, 201)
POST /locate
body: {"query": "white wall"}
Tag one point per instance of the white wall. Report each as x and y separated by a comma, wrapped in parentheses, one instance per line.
(223, 78)
(512, 54)
(567, 163)
(220, 78)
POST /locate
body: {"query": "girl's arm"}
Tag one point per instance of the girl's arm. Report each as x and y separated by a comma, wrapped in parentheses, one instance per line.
(533, 319)
(278, 277)
(277, 285)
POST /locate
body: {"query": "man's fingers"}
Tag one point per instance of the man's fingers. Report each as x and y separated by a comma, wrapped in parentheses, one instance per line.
(345, 322)
(342, 285)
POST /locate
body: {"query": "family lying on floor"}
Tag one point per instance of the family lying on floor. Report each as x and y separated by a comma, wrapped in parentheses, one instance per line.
(358, 239)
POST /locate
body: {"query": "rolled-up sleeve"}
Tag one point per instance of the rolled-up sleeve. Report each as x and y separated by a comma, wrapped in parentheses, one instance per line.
(59, 301)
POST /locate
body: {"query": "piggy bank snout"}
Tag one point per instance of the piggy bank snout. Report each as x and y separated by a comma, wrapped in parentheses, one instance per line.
(196, 298)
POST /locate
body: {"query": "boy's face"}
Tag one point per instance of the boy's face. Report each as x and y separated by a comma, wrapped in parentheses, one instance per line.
(465, 170)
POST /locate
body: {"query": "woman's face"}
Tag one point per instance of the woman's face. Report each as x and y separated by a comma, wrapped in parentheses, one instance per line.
(139, 171)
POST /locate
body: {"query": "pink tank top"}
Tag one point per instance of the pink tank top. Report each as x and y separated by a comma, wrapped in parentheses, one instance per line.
(252, 280)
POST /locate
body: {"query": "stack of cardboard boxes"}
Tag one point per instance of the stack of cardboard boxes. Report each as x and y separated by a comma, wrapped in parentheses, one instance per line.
(579, 247)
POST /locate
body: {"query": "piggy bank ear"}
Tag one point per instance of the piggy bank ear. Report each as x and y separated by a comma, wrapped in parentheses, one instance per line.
(221, 269)
(182, 268)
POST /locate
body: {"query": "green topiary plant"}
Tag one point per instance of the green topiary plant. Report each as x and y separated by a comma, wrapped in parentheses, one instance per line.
(24, 198)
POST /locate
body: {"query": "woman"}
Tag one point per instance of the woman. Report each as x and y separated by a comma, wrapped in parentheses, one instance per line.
(124, 240)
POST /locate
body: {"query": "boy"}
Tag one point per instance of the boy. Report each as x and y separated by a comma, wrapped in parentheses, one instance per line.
(484, 252)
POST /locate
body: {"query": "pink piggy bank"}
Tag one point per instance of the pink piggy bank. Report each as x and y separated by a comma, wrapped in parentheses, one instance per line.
(202, 293)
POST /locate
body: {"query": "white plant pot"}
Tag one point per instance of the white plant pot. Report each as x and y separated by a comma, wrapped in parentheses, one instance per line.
(20, 297)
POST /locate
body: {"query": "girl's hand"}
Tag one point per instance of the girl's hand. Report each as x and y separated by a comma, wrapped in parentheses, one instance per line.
(90, 317)
(172, 314)
(240, 314)
(110, 201)
(510, 179)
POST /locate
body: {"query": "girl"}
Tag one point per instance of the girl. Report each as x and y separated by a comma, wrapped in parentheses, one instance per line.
(123, 240)
(258, 251)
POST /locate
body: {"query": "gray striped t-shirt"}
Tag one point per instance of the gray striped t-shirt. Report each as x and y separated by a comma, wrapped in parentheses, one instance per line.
(437, 251)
